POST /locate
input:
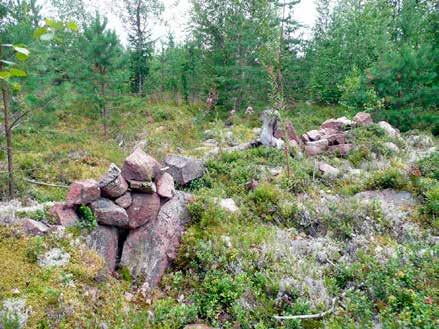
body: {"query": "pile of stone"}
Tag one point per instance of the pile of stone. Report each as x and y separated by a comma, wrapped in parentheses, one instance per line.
(140, 214)
(329, 138)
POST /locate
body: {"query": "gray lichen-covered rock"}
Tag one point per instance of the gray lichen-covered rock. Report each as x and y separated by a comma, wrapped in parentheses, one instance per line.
(108, 213)
(104, 240)
(144, 208)
(328, 170)
(184, 169)
(112, 184)
(148, 250)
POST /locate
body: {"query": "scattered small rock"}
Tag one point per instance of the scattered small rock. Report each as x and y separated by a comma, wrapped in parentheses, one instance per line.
(228, 205)
(32, 227)
(328, 170)
(391, 147)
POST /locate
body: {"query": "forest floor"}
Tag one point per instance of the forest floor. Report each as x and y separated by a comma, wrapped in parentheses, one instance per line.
(361, 244)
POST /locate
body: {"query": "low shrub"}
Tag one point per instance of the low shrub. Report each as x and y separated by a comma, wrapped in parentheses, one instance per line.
(87, 218)
(388, 178)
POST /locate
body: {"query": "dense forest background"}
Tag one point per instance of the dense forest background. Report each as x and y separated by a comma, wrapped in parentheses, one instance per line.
(376, 55)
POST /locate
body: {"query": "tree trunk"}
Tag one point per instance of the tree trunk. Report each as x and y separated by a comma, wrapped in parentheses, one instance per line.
(9, 147)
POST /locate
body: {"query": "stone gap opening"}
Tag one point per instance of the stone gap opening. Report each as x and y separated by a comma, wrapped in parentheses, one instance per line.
(123, 235)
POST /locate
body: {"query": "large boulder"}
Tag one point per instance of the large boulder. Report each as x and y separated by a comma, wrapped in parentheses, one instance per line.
(112, 184)
(64, 215)
(108, 213)
(362, 119)
(143, 209)
(165, 186)
(184, 169)
(83, 192)
(104, 239)
(149, 249)
(139, 166)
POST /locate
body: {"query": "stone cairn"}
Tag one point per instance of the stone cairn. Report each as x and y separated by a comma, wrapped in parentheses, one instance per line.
(140, 214)
(330, 138)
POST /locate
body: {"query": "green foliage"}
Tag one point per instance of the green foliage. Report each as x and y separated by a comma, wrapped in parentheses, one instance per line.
(87, 218)
(397, 288)
(8, 321)
(356, 95)
(34, 249)
(388, 178)
(429, 166)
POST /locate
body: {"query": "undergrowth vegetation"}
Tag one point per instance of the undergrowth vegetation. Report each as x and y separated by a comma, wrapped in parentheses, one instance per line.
(299, 240)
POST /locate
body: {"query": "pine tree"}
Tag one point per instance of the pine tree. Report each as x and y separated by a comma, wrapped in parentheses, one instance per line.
(101, 54)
